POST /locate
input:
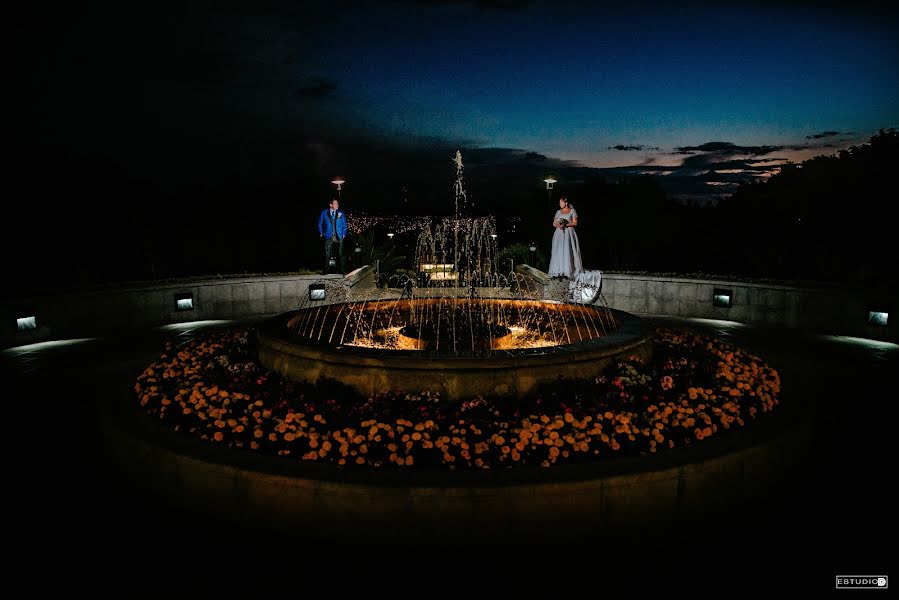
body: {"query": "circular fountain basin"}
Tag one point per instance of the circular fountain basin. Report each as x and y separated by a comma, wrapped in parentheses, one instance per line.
(511, 358)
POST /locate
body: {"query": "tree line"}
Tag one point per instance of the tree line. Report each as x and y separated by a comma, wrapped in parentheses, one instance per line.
(78, 222)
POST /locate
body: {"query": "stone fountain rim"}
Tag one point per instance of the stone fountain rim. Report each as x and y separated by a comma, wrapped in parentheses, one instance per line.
(631, 332)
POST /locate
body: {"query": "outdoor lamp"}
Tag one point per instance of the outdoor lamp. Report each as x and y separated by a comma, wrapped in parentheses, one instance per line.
(878, 317)
(316, 291)
(184, 301)
(722, 298)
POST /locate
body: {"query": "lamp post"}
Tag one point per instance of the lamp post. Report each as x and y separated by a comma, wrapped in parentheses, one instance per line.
(358, 253)
(339, 181)
(533, 249)
(550, 180)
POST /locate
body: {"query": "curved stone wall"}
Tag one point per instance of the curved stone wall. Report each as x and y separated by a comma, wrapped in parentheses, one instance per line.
(591, 502)
(507, 373)
(823, 309)
(88, 313)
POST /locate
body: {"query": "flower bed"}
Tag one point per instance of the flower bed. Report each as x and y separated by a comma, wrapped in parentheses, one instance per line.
(696, 387)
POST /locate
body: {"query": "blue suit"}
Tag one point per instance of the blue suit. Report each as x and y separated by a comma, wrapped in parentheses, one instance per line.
(325, 228)
(332, 231)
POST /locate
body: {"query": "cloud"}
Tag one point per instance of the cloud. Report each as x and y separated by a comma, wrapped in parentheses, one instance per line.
(624, 148)
(727, 149)
(713, 163)
(713, 153)
(707, 177)
(824, 134)
(498, 156)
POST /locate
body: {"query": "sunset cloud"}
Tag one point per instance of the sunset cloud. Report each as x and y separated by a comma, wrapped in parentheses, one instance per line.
(824, 134)
(624, 148)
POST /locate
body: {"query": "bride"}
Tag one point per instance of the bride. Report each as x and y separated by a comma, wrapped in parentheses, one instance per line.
(566, 251)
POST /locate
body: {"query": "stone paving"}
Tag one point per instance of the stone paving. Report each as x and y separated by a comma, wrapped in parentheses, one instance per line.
(833, 519)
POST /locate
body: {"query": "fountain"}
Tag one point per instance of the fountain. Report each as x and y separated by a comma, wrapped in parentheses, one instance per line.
(458, 326)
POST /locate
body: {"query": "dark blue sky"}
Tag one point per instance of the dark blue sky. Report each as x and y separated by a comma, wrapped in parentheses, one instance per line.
(675, 89)
(572, 81)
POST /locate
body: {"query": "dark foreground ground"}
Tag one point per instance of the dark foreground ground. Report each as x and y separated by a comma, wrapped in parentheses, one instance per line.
(70, 508)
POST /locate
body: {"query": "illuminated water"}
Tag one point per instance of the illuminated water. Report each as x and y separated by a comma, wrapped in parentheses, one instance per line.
(458, 303)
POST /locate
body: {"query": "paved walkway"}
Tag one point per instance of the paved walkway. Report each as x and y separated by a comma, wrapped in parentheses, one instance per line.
(835, 517)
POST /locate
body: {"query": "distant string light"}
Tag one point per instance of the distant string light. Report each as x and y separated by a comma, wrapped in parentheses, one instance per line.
(359, 222)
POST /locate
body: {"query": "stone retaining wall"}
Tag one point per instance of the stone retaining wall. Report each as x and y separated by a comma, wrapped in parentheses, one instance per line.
(599, 502)
(829, 310)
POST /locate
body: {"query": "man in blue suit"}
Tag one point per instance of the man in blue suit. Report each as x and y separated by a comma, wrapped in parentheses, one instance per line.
(332, 229)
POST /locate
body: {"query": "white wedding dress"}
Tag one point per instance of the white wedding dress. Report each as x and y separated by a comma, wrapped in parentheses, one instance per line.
(566, 251)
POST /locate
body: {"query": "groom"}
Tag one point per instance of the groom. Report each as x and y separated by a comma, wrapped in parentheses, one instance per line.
(332, 229)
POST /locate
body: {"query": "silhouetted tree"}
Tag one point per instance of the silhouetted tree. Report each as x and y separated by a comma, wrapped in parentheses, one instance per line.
(821, 219)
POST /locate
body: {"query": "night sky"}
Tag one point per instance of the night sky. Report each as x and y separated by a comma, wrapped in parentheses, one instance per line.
(707, 94)
(154, 140)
